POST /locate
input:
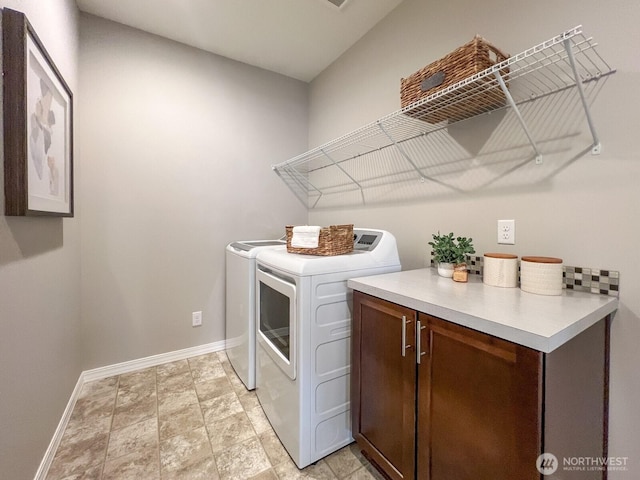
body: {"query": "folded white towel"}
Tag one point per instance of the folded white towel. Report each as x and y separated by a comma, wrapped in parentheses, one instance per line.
(305, 236)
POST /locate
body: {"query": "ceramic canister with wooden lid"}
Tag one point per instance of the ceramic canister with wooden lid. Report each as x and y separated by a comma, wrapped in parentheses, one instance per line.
(500, 270)
(541, 275)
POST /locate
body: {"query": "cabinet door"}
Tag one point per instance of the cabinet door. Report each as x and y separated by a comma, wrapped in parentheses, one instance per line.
(479, 406)
(383, 387)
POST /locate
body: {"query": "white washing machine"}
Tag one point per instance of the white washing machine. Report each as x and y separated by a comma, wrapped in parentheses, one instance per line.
(241, 305)
(303, 308)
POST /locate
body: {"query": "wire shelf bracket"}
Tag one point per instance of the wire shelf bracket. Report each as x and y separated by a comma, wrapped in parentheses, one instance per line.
(516, 110)
(596, 149)
(355, 182)
(401, 151)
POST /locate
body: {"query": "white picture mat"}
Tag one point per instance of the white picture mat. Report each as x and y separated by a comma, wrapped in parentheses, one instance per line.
(48, 173)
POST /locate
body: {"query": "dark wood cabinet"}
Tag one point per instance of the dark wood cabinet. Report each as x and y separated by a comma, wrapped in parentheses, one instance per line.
(383, 403)
(479, 414)
(438, 401)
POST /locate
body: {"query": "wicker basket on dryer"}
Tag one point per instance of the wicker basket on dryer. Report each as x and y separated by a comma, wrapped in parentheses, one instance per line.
(471, 99)
(333, 240)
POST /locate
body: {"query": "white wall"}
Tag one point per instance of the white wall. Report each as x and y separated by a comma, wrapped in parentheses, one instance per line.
(39, 289)
(585, 213)
(176, 146)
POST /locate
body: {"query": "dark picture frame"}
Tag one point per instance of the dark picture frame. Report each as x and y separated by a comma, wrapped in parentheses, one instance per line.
(38, 125)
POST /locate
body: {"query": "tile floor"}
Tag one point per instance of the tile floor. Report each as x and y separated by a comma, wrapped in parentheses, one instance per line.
(191, 419)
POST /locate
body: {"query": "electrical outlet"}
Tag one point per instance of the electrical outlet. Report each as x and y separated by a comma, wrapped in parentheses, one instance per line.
(507, 232)
(196, 319)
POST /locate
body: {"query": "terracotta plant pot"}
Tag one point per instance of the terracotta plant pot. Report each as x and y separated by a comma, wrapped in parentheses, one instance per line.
(460, 273)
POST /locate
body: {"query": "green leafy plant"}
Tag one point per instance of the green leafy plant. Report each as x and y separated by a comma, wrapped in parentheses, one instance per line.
(450, 249)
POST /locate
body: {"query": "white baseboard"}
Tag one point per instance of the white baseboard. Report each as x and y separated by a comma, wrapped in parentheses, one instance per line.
(152, 361)
(109, 371)
(45, 464)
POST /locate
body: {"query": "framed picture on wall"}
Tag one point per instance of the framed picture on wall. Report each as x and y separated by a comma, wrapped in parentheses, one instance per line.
(38, 125)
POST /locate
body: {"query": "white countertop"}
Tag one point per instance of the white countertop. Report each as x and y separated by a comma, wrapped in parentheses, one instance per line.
(537, 321)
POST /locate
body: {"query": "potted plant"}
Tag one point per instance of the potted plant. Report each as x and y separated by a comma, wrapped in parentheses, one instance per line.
(450, 253)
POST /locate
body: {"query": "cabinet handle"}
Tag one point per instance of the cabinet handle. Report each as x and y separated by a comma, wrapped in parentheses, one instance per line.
(419, 352)
(405, 322)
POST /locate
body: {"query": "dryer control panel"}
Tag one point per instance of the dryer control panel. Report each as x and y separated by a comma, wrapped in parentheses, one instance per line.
(366, 240)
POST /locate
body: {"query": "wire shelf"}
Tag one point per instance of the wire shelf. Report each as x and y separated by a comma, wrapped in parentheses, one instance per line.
(398, 148)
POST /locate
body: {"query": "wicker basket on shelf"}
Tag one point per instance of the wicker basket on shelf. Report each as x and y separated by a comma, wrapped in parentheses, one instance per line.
(333, 240)
(462, 63)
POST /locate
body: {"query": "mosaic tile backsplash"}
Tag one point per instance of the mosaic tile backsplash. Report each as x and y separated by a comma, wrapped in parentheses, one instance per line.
(592, 280)
(605, 282)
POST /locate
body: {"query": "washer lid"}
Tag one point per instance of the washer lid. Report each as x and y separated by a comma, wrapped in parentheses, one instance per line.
(251, 244)
(250, 248)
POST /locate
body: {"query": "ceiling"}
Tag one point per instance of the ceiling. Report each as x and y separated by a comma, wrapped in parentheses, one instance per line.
(297, 38)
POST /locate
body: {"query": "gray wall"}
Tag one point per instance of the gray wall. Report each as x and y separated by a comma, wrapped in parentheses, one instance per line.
(173, 148)
(585, 213)
(176, 146)
(39, 290)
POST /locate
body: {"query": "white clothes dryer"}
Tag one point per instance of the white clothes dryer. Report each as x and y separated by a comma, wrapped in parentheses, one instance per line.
(303, 340)
(241, 305)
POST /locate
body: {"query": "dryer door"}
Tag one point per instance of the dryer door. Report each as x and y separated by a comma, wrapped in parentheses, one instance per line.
(276, 318)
